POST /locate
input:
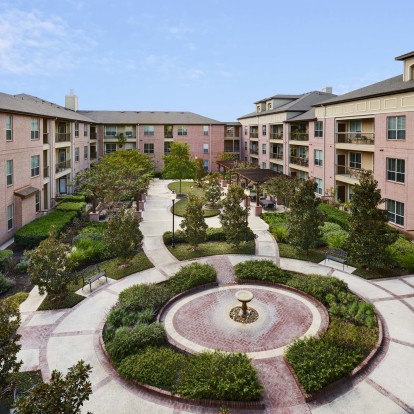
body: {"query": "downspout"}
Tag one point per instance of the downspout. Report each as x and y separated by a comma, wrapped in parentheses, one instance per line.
(210, 149)
(324, 150)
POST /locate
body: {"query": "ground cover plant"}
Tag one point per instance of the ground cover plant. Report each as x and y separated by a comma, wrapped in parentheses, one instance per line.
(352, 332)
(139, 348)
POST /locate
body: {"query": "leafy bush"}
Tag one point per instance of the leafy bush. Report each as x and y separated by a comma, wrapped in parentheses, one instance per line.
(5, 260)
(94, 227)
(262, 270)
(17, 298)
(317, 363)
(274, 218)
(88, 248)
(215, 234)
(5, 283)
(71, 206)
(402, 253)
(71, 198)
(22, 266)
(34, 232)
(333, 235)
(144, 296)
(333, 215)
(219, 376)
(129, 341)
(192, 275)
(159, 367)
(280, 233)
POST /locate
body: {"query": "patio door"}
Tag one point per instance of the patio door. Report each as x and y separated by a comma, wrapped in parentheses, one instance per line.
(340, 162)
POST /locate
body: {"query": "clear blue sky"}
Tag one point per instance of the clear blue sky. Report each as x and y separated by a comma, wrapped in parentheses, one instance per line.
(212, 57)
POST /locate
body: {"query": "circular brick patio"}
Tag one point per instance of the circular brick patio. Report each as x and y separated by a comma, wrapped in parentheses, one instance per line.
(201, 321)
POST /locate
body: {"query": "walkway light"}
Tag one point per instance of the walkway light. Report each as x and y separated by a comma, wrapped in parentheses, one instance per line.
(173, 198)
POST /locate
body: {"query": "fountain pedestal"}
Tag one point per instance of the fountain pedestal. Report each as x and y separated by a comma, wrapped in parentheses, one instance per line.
(244, 296)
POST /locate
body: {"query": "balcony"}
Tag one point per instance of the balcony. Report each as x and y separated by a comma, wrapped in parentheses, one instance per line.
(276, 135)
(254, 135)
(358, 138)
(45, 138)
(276, 155)
(168, 135)
(46, 172)
(62, 166)
(349, 172)
(63, 137)
(93, 135)
(299, 136)
(254, 151)
(303, 162)
(94, 155)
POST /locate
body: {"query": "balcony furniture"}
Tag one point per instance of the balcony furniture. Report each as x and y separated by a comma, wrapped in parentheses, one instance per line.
(337, 255)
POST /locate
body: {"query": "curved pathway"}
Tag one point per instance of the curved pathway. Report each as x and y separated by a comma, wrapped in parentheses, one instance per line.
(58, 339)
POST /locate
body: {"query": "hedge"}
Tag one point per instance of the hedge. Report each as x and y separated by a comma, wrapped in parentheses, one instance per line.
(33, 233)
(5, 260)
(402, 253)
(71, 198)
(265, 268)
(71, 206)
(334, 215)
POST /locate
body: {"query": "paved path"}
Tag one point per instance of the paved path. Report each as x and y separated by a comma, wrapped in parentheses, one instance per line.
(58, 339)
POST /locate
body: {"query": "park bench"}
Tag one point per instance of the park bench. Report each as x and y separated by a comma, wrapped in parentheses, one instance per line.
(337, 255)
(96, 274)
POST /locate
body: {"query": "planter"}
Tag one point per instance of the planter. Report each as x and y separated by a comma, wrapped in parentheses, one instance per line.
(93, 216)
(223, 183)
(143, 197)
(258, 210)
(138, 214)
(141, 205)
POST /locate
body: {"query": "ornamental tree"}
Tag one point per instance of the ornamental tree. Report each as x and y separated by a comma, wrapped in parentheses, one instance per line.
(50, 266)
(212, 189)
(368, 235)
(282, 187)
(199, 171)
(9, 344)
(233, 218)
(63, 395)
(123, 236)
(303, 220)
(178, 164)
(193, 224)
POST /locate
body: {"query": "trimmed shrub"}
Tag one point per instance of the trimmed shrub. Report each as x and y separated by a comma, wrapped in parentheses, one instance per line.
(159, 367)
(280, 233)
(6, 257)
(94, 227)
(145, 296)
(179, 237)
(261, 270)
(192, 275)
(317, 363)
(71, 198)
(88, 249)
(215, 234)
(219, 376)
(333, 215)
(33, 233)
(333, 235)
(71, 206)
(402, 253)
(22, 266)
(128, 341)
(5, 283)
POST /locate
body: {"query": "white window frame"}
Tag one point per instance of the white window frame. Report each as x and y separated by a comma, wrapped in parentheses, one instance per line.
(35, 129)
(148, 148)
(149, 130)
(182, 130)
(85, 130)
(9, 128)
(35, 167)
(110, 131)
(85, 152)
(319, 183)
(205, 130)
(205, 165)
(264, 149)
(10, 217)
(205, 149)
(76, 154)
(395, 212)
(264, 165)
(318, 125)
(9, 172)
(354, 162)
(76, 129)
(318, 157)
(397, 131)
(37, 201)
(112, 147)
(396, 170)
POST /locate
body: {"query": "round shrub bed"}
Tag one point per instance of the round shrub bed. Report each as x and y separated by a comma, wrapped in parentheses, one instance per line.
(352, 334)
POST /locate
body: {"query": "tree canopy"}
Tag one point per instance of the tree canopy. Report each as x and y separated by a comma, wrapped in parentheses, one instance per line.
(193, 224)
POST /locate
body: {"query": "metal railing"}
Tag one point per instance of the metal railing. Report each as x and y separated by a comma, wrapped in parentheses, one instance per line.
(299, 136)
(254, 134)
(276, 155)
(304, 162)
(360, 138)
(254, 151)
(276, 135)
(63, 137)
(350, 172)
(63, 165)
(93, 135)
(46, 172)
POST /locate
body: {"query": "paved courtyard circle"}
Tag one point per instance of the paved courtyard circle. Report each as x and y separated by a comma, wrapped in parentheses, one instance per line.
(202, 322)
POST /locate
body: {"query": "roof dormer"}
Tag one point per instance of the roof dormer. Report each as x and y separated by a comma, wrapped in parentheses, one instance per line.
(408, 60)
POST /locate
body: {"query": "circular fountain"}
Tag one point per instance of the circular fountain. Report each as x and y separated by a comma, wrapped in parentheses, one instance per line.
(243, 313)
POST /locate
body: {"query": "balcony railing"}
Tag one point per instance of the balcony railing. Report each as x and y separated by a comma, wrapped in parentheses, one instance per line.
(168, 135)
(276, 135)
(254, 151)
(46, 172)
(63, 165)
(361, 138)
(276, 155)
(93, 135)
(304, 162)
(63, 137)
(254, 134)
(45, 138)
(350, 172)
(299, 136)
(94, 155)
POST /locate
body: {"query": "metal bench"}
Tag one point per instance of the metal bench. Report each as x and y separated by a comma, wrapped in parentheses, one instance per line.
(95, 276)
(337, 255)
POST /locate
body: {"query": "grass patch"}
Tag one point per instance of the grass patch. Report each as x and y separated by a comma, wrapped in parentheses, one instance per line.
(380, 273)
(182, 251)
(180, 208)
(187, 187)
(315, 256)
(68, 301)
(138, 263)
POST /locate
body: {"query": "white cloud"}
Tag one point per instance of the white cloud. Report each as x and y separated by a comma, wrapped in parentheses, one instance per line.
(194, 74)
(31, 43)
(180, 30)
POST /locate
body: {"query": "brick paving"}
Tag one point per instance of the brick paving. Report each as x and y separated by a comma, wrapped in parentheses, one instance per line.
(225, 271)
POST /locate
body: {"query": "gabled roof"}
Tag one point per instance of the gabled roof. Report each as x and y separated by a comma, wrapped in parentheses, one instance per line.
(31, 105)
(280, 96)
(405, 56)
(390, 86)
(147, 117)
(306, 116)
(301, 104)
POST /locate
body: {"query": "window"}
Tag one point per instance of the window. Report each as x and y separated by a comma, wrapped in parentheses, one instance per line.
(148, 130)
(110, 148)
(264, 149)
(245, 146)
(149, 148)
(76, 129)
(269, 106)
(205, 130)
(37, 201)
(264, 130)
(355, 160)
(259, 108)
(110, 131)
(205, 165)
(396, 170)
(35, 165)
(10, 216)
(319, 157)
(395, 212)
(9, 172)
(35, 129)
(303, 175)
(318, 129)
(182, 130)
(355, 126)
(396, 127)
(85, 130)
(9, 128)
(167, 147)
(205, 148)
(264, 166)
(128, 131)
(85, 152)
(350, 192)
(76, 154)
(254, 131)
(318, 182)
(245, 130)
(168, 131)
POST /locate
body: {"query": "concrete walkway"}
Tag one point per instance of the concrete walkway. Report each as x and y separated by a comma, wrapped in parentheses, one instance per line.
(58, 339)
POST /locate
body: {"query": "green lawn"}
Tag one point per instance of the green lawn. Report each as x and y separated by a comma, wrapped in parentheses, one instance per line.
(69, 301)
(182, 251)
(180, 208)
(286, 250)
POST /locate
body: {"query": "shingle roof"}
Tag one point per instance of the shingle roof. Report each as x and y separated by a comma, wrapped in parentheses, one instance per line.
(405, 56)
(280, 96)
(146, 117)
(306, 116)
(27, 104)
(386, 87)
(302, 104)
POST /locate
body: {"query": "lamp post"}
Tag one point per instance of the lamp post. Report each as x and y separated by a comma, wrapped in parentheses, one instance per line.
(247, 194)
(173, 198)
